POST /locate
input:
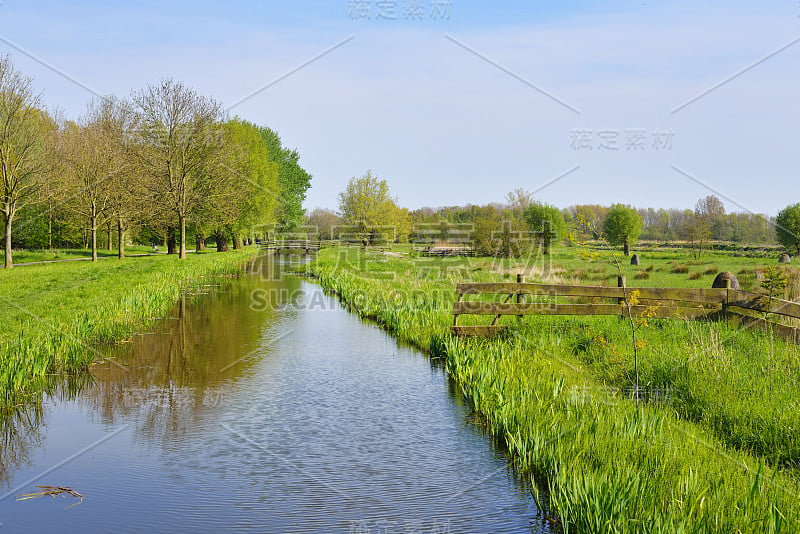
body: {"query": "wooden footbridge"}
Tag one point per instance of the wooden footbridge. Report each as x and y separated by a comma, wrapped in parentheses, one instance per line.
(294, 246)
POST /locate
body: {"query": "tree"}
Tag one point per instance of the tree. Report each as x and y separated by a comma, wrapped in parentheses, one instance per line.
(87, 168)
(22, 145)
(179, 149)
(249, 196)
(622, 226)
(97, 171)
(325, 221)
(787, 228)
(367, 206)
(402, 223)
(546, 220)
(294, 181)
(488, 223)
(113, 116)
(711, 212)
(518, 200)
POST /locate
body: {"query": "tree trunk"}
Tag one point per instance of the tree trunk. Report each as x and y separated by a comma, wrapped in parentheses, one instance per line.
(50, 227)
(94, 238)
(120, 240)
(238, 243)
(172, 246)
(200, 242)
(9, 263)
(627, 248)
(222, 241)
(110, 234)
(182, 249)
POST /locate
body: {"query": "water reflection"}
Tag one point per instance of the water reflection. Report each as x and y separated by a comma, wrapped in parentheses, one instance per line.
(281, 417)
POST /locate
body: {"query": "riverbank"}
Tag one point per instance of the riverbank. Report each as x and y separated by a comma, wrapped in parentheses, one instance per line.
(694, 458)
(53, 315)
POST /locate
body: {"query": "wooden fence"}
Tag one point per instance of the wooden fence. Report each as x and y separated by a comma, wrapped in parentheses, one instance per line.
(654, 302)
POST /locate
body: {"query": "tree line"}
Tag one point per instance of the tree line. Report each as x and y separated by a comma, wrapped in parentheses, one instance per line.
(368, 210)
(165, 164)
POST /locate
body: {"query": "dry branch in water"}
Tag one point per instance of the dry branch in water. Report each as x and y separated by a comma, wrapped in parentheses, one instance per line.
(52, 491)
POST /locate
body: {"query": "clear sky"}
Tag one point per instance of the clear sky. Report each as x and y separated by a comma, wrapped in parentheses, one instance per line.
(648, 103)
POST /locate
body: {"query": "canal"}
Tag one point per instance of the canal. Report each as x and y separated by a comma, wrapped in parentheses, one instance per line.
(259, 405)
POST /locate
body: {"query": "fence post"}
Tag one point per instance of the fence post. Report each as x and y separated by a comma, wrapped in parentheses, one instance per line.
(520, 280)
(727, 301)
(623, 300)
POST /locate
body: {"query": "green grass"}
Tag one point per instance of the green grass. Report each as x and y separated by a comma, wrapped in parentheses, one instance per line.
(52, 315)
(28, 256)
(715, 450)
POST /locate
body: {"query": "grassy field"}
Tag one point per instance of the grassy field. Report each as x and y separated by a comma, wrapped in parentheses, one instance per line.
(53, 314)
(29, 256)
(714, 448)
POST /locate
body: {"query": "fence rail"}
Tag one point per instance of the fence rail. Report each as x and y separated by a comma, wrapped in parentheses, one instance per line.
(654, 302)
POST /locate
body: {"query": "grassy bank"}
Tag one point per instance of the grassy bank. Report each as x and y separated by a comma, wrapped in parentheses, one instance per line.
(52, 314)
(715, 450)
(29, 256)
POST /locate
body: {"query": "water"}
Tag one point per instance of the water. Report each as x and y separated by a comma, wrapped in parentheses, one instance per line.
(236, 416)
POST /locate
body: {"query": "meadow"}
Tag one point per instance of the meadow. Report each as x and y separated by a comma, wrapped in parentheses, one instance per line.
(30, 256)
(712, 446)
(54, 315)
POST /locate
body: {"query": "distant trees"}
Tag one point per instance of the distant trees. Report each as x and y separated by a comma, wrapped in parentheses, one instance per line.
(787, 228)
(622, 226)
(326, 222)
(22, 147)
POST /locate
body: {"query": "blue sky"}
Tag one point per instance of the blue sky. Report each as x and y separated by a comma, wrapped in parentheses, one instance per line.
(580, 102)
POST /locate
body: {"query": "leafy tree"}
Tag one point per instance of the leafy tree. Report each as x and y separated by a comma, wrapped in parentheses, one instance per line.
(22, 147)
(787, 228)
(367, 206)
(253, 201)
(402, 222)
(546, 220)
(488, 223)
(294, 181)
(622, 226)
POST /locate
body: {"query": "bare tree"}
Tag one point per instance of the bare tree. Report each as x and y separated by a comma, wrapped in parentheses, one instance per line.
(92, 161)
(23, 128)
(114, 118)
(178, 141)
